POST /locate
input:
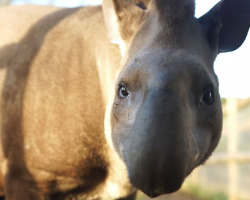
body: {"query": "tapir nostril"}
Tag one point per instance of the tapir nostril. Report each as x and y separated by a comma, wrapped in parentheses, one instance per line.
(196, 151)
(196, 156)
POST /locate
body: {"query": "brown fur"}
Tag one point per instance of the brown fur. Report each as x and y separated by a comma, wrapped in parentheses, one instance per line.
(42, 131)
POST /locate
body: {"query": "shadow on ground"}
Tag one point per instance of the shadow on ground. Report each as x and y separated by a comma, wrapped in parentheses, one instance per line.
(176, 196)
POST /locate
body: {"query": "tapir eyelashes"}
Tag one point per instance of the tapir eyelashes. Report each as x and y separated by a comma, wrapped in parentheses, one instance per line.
(208, 96)
(123, 93)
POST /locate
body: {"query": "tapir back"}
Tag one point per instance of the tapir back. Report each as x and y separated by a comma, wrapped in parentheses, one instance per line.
(52, 104)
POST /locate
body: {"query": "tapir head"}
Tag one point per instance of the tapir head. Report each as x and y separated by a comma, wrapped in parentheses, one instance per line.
(164, 117)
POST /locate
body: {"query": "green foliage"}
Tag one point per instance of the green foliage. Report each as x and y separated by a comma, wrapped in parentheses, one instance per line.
(223, 101)
(203, 194)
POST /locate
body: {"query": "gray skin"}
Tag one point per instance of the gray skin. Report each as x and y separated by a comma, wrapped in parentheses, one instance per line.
(164, 128)
(99, 102)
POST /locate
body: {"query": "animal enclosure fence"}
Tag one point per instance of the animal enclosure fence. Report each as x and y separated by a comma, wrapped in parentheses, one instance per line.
(228, 170)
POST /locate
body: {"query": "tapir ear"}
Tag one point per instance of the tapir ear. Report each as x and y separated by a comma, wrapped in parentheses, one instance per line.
(227, 24)
(122, 18)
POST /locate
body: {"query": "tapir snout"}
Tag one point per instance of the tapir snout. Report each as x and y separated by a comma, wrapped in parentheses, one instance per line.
(159, 151)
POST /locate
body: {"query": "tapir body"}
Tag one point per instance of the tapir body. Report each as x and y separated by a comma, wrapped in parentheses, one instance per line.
(98, 102)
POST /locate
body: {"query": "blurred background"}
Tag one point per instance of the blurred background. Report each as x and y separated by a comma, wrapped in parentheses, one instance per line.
(226, 175)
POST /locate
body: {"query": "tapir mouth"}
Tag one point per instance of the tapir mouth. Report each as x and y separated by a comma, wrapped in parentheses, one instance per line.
(155, 182)
(159, 189)
(154, 174)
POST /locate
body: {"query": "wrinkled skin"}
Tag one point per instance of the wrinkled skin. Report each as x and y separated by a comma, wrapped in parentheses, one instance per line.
(99, 102)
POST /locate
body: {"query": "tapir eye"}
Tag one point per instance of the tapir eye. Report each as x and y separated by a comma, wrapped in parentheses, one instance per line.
(123, 93)
(208, 97)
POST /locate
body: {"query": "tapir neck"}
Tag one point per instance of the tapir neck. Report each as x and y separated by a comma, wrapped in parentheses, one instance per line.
(106, 58)
(105, 55)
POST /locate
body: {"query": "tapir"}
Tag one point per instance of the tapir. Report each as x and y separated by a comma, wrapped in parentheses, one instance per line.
(99, 102)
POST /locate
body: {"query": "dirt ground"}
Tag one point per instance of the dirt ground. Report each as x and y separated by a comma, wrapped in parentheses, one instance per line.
(176, 196)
